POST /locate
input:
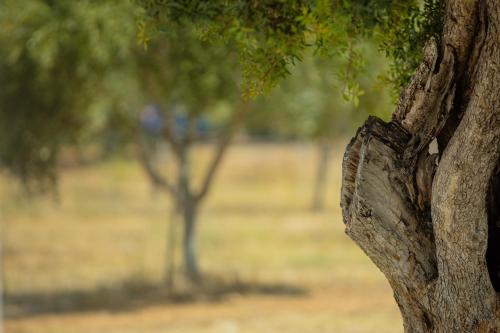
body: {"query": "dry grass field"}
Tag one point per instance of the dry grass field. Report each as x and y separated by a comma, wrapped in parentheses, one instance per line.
(94, 262)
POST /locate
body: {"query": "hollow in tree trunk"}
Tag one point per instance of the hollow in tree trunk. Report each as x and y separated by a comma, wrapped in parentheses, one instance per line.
(430, 222)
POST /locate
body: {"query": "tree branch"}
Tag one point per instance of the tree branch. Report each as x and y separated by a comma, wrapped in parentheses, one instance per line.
(156, 178)
(222, 145)
(168, 133)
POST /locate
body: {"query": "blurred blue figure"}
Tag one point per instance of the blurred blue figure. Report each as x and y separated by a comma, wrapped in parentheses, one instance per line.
(180, 127)
(181, 124)
(202, 127)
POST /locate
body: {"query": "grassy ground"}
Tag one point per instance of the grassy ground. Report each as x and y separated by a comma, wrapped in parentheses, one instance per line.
(95, 261)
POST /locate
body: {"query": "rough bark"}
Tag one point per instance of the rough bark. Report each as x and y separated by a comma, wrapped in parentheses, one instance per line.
(430, 222)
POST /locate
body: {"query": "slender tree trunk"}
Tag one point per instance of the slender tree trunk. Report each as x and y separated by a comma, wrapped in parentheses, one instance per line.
(170, 249)
(318, 201)
(430, 222)
(189, 243)
(187, 205)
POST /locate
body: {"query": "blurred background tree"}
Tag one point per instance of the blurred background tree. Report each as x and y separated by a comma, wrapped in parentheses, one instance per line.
(192, 89)
(74, 77)
(53, 59)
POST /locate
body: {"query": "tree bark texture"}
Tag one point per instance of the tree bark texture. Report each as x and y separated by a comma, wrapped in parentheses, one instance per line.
(430, 222)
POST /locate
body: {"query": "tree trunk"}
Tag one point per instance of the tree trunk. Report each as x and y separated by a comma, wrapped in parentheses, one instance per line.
(318, 201)
(187, 205)
(430, 222)
(170, 249)
(189, 243)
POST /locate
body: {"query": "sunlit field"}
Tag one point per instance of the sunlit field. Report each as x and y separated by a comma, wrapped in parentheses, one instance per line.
(94, 261)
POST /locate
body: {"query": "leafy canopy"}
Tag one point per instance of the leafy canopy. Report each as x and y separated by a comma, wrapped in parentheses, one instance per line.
(272, 35)
(181, 69)
(53, 55)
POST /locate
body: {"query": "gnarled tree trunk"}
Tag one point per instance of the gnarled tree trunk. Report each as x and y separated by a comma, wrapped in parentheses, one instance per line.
(430, 222)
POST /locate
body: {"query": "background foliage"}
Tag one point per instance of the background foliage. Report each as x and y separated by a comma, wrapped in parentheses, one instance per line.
(272, 35)
(52, 59)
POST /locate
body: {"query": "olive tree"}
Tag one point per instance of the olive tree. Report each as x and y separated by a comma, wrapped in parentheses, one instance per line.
(430, 222)
(53, 57)
(192, 81)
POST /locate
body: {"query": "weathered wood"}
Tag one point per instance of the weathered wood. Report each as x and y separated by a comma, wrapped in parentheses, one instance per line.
(429, 222)
(381, 217)
(459, 205)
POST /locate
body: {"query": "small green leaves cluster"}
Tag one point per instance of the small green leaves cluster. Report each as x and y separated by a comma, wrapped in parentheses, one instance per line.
(272, 34)
(403, 30)
(269, 35)
(181, 68)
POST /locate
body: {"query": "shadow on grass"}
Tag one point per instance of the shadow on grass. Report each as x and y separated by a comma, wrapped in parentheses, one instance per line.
(134, 294)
